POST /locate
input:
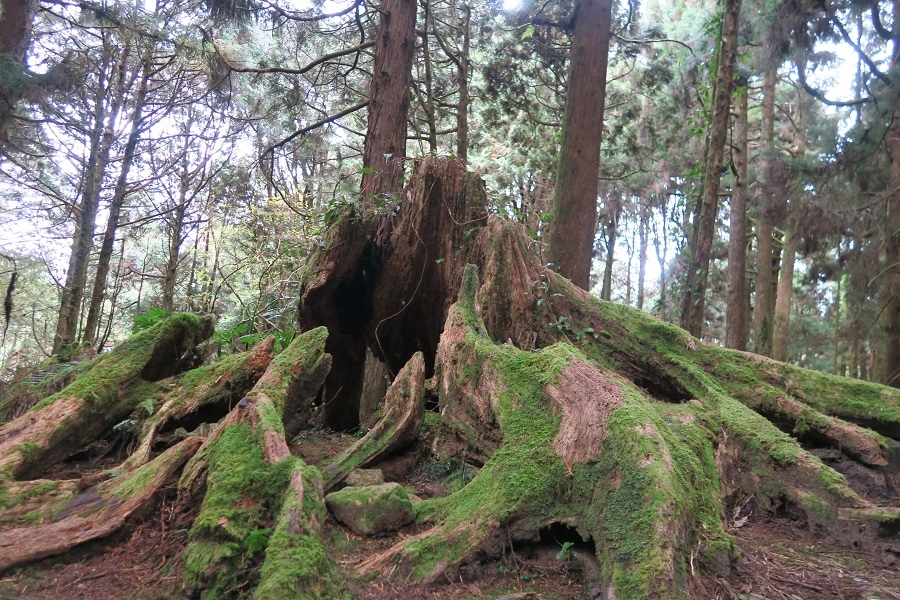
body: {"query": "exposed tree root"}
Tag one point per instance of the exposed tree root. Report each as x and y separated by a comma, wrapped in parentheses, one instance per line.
(96, 512)
(216, 388)
(104, 395)
(249, 474)
(397, 429)
(581, 414)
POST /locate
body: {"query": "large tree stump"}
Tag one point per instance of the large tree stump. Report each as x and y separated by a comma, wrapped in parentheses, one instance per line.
(581, 416)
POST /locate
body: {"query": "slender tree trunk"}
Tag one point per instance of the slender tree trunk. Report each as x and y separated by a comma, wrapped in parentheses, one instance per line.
(115, 209)
(891, 360)
(612, 231)
(385, 146)
(736, 313)
(643, 234)
(101, 142)
(462, 105)
(784, 297)
(176, 238)
(428, 104)
(693, 308)
(661, 245)
(574, 224)
(764, 288)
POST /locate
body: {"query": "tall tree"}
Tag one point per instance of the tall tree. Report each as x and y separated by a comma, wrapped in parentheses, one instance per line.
(764, 284)
(891, 369)
(736, 312)
(104, 98)
(385, 146)
(574, 224)
(693, 307)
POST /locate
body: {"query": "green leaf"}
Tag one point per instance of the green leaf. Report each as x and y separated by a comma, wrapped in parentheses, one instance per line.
(564, 553)
(529, 32)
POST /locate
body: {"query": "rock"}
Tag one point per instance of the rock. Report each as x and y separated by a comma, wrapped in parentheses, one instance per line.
(371, 510)
(364, 477)
(434, 490)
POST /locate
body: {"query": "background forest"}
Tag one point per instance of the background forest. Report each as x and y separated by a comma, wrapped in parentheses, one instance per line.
(188, 156)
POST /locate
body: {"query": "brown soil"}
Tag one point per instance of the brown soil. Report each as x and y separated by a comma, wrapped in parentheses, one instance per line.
(778, 559)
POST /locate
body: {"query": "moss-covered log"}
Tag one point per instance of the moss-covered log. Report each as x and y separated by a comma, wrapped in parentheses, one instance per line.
(105, 394)
(202, 395)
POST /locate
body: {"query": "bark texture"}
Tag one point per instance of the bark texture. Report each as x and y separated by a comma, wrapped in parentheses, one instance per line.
(737, 313)
(15, 36)
(891, 374)
(571, 239)
(385, 147)
(764, 286)
(693, 307)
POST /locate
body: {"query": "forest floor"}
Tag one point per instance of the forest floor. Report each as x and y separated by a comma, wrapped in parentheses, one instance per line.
(779, 559)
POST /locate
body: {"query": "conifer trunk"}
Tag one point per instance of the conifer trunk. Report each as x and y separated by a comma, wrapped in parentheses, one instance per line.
(574, 224)
(764, 290)
(737, 305)
(693, 307)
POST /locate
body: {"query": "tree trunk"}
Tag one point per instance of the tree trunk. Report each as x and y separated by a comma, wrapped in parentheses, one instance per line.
(107, 103)
(781, 330)
(737, 306)
(16, 17)
(385, 146)
(574, 412)
(891, 319)
(574, 222)
(612, 229)
(462, 105)
(115, 208)
(643, 234)
(693, 307)
(764, 291)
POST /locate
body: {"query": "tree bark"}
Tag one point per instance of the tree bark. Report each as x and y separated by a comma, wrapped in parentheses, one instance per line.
(16, 17)
(783, 299)
(115, 208)
(612, 229)
(573, 412)
(107, 104)
(385, 146)
(764, 290)
(574, 222)
(737, 306)
(891, 320)
(462, 105)
(693, 308)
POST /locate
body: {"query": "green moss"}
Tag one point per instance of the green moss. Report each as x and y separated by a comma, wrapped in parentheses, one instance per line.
(28, 450)
(819, 507)
(298, 564)
(242, 495)
(106, 373)
(431, 421)
(32, 518)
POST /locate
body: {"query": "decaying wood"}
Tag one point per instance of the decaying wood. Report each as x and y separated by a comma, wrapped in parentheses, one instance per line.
(578, 413)
(96, 512)
(397, 429)
(102, 397)
(219, 390)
